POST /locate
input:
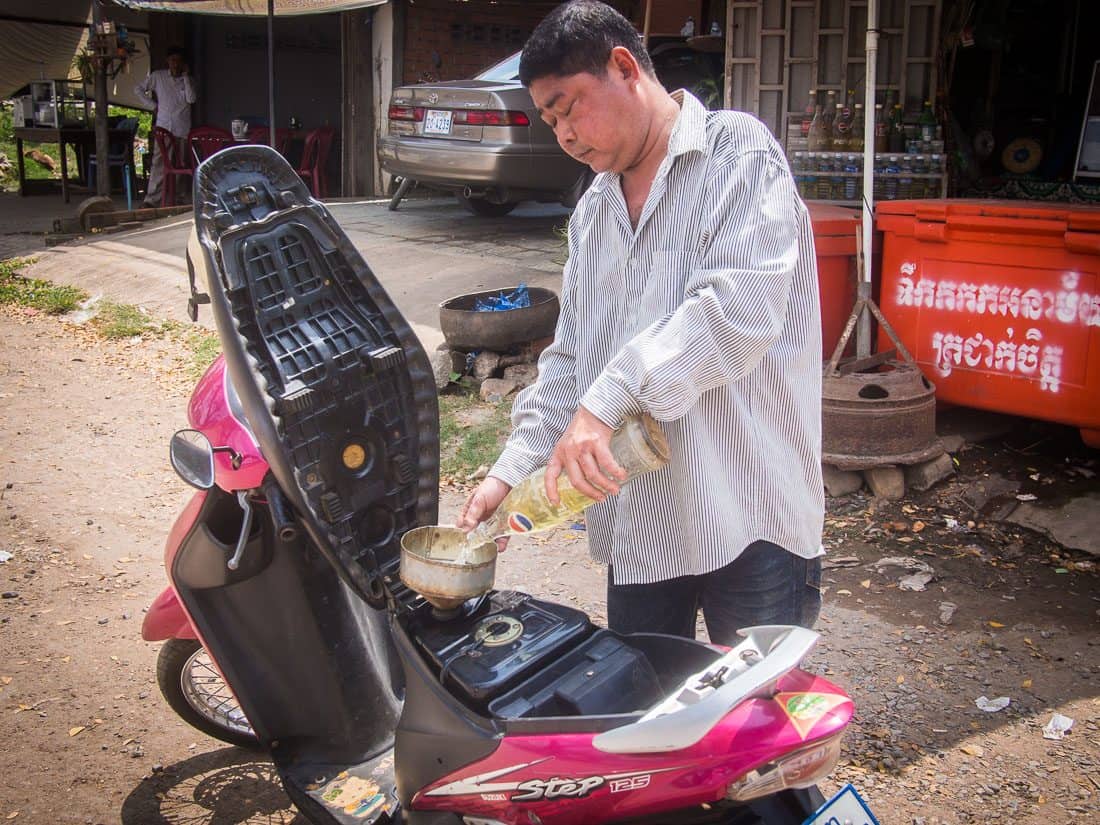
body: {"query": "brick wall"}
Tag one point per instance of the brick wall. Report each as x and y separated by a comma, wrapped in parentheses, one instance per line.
(469, 37)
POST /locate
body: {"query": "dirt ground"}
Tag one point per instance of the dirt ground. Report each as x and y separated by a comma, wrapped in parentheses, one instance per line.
(87, 498)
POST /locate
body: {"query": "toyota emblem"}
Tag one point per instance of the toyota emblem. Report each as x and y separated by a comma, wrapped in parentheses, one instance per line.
(433, 98)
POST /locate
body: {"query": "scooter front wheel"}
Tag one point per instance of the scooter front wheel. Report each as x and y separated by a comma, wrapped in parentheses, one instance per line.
(194, 689)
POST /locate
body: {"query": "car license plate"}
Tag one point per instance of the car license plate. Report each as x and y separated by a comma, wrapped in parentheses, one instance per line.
(437, 122)
(845, 808)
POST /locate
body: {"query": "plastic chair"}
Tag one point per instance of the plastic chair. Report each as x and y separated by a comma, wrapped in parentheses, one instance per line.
(259, 134)
(204, 141)
(174, 165)
(311, 168)
(120, 154)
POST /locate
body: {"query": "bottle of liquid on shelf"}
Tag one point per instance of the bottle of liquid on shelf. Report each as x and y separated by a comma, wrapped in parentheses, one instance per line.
(842, 129)
(882, 130)
(829, 113)
(808, 115)
(855, 137)
(851, 178)
(897, 130)
(905, 181)
(816, 134)
(927, 123)
(639, 446)
(890, 178)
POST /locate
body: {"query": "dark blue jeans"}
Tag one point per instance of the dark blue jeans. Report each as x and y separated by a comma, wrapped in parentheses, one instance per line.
(764, 585)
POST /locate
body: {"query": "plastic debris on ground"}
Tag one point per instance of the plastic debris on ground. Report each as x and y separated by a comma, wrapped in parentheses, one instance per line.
(947, 612)
(5, 556)
(519, 298)
(992, 705)
(921, 574)
(1057, 727)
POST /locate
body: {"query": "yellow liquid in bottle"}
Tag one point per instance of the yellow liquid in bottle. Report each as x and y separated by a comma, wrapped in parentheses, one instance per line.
(526, 509)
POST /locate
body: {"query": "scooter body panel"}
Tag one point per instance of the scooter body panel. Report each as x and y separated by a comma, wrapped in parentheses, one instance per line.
(562, 779)
(166, 619)
(215, 410)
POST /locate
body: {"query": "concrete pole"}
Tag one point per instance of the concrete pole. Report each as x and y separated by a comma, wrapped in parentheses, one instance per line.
(102, 142)
(271, 73)
(863, 331)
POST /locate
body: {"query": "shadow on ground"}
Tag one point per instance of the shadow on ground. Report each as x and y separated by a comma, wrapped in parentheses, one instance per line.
(224, 787)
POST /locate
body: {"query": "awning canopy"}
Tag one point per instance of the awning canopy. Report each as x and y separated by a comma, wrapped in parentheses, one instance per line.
(50, 35)
(257, 8)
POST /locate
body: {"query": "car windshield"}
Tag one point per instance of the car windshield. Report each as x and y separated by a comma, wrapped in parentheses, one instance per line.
(505, 70)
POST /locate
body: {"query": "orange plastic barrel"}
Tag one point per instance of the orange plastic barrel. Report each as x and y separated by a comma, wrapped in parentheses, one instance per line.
(835, 230)
(999, 302)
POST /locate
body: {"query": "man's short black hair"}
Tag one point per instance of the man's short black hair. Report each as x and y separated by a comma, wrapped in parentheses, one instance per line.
(578, 37)
(174, 50)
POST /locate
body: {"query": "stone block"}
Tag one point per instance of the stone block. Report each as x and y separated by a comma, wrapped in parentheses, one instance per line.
(100, 220)
(953, 443)
(840, 482)
(458, 359)
(886, 482)
(495, 390)
(928, 473)
(441, 367)
(485, 364)
(523, 374)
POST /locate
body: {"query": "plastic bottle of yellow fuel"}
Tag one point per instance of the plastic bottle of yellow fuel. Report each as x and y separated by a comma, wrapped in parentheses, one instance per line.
(638, 446)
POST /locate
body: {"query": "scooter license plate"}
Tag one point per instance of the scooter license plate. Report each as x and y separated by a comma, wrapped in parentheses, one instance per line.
(437, 122)
(845, 808)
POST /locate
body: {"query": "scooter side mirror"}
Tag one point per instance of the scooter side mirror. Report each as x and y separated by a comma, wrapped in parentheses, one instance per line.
(192, 458)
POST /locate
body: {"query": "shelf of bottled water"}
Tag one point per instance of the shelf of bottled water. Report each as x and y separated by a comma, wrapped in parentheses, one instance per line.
(838, 176)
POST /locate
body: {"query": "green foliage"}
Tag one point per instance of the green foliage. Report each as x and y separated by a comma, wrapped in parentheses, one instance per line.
(204, 347)
(709, 92)
(32, 292)
(119, 321)
(471, 433)
(9, 174)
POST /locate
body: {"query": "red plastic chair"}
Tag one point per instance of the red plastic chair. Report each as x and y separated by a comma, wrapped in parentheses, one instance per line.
(311, 168)
(204, 141)
(174, 165)
(259, 134)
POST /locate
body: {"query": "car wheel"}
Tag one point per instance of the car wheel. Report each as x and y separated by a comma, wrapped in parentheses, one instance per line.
(484, 208)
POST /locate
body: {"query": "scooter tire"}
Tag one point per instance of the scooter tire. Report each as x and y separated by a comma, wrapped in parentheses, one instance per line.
(175, 654)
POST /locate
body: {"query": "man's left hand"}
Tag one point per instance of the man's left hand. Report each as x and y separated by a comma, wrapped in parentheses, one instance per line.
(584, 454)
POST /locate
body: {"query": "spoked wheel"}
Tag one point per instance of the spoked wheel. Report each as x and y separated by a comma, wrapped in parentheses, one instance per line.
(194, 688)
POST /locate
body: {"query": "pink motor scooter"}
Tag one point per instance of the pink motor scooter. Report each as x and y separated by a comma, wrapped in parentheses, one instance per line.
(315, 448)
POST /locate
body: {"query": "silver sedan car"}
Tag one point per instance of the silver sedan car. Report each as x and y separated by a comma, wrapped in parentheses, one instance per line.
(481, 139)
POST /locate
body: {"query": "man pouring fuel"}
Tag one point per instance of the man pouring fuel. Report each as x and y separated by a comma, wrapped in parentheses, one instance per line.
(690, 294)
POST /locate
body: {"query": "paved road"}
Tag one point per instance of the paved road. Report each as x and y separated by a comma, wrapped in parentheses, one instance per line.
(426, 252)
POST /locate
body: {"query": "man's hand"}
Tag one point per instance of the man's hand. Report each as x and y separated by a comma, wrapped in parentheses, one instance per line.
(481, 504)
(584, 453)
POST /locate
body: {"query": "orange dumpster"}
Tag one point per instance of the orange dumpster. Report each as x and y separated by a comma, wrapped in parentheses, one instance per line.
(835, 230)
(999, 302)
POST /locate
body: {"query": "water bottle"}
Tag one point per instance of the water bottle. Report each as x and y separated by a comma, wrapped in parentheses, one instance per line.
(851, 177)
(890, 182)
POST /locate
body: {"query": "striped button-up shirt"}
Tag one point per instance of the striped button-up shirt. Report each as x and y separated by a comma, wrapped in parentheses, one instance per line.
(706, 316)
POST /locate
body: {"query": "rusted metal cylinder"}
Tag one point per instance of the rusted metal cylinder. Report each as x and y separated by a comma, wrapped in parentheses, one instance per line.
(879, 418)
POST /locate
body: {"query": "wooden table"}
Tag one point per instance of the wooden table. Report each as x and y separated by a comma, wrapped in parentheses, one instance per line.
(82, 138)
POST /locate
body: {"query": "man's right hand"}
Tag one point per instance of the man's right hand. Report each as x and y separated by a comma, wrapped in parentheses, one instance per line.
(481, 504)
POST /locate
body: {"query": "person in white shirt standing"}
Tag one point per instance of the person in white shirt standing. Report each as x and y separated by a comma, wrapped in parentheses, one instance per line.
(171, 92)
(691, 294)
